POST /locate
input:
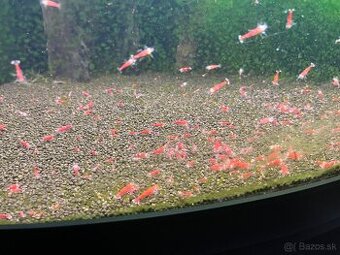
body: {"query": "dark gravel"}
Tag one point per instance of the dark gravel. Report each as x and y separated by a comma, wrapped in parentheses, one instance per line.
(44, 172)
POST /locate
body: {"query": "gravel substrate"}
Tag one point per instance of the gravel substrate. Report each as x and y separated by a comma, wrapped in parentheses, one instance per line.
(211, 142)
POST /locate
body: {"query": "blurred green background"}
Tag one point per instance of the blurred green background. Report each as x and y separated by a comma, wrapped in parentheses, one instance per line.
(115, 29)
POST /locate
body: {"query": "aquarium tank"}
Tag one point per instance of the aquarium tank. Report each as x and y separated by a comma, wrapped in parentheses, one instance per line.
(111, 108)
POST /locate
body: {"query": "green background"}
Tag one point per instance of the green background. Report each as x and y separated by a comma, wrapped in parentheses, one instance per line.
(213, 24)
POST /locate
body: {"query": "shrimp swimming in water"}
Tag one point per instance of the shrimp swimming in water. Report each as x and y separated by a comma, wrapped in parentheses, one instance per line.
(260, 29)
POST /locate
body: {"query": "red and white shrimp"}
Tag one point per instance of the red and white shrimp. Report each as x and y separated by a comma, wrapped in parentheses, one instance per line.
(144, 53)
(20, 76)
(335, 82)
(185, 69)
(130, 188)
(304, 73)
(48, 3)
(219, 86)
(213, 67)
(260, 29)
(128, 63)
(290, 21)
(147, 193)
(276, 78)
